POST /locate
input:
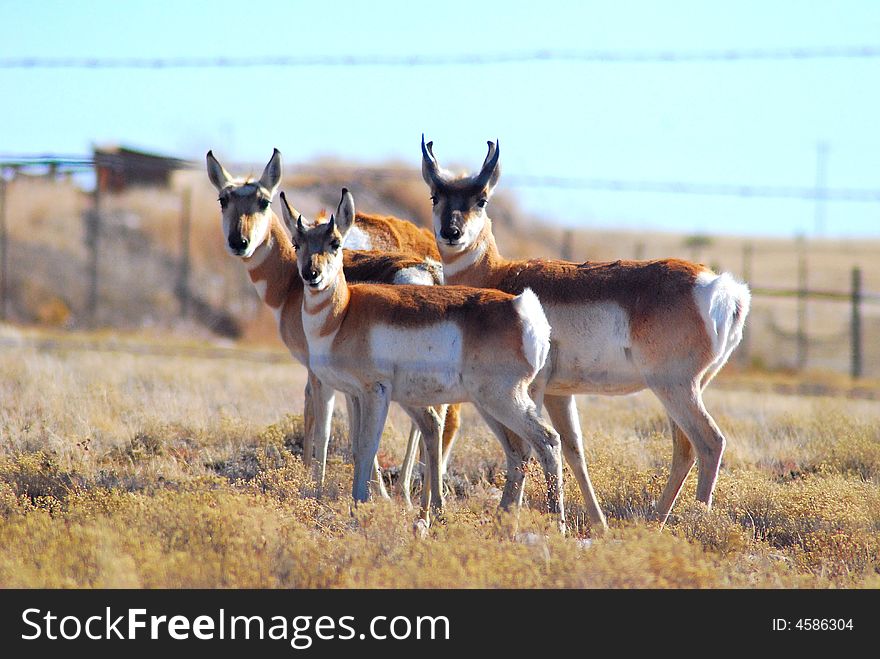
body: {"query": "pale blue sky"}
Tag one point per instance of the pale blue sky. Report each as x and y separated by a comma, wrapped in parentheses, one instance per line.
(726, 122)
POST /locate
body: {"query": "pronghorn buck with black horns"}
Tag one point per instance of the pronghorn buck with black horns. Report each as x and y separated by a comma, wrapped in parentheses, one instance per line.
(618, 327)
(421, 346)
(255, 234)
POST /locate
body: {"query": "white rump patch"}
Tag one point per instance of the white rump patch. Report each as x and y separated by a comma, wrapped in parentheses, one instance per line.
(435, 267)
(414, 275)
(536, 329)
(357, 238)
(717, 298)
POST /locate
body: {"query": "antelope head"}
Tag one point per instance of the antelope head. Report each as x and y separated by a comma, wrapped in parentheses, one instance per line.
(319, 248)
(459, 201)
(245, 204)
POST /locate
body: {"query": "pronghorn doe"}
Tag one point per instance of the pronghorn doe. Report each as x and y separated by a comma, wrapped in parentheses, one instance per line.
(618, 327)
(254, 233)
(421, 346)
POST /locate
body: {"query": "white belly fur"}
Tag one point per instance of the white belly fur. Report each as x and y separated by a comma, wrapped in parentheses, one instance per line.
(591, 350)
(423, 364)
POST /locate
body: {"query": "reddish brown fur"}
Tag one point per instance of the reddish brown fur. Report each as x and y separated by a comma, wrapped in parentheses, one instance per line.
(416, 306)
(450, 426)
(390, 234)
(364, 266)
(419, 306)
(656, 295)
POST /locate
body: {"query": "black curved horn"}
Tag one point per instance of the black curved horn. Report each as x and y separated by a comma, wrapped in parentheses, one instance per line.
(490, 163)
(429, 164)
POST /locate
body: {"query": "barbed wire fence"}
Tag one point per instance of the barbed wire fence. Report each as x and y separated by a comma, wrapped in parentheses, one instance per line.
(546, 55)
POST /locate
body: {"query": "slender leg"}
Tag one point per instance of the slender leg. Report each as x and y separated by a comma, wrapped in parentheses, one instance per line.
(451, 425)
(683, 458)
(373, 404)
(684, 403)
(521, 416)
(517, 453)
(378, 481)
(430, 423)
(308, 425)
(404, 485)
(322, 407)
(563, 414)
(353, 406)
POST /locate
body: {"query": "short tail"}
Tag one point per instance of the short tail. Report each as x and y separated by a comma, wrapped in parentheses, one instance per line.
(724, 304)
(536, 329)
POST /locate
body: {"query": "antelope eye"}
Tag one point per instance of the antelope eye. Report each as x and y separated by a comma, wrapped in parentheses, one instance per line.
(483, 203)
(433, 200)
(264, 204)
(334, 245)
(224, 202)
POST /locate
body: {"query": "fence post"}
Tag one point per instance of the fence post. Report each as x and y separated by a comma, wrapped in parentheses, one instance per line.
(183, 290)
(802, 294)
(93, 232)
(639, 251)
(856, 326)
(565, 251)
(4, 237)
(747, 259)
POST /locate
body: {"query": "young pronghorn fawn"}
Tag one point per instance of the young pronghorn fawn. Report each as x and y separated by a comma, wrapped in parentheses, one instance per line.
(421, 346)
(618, 327)
(254, 233)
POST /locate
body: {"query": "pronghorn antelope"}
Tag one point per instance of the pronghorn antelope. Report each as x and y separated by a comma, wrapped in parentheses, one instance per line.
(254, 233)
(618, 327)
(421, 346)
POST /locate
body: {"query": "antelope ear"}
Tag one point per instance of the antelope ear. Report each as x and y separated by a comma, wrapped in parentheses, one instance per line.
(345, 214)
(271, 177)
(220, 178)
(287, 214)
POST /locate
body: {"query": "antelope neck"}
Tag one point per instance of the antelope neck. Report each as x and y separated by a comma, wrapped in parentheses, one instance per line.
(272, 268)
(326, 309)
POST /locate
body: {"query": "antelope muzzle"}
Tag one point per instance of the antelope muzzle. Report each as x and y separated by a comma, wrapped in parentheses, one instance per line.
(238, 243)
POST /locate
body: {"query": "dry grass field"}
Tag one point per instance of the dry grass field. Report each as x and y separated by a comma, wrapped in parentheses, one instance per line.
(145, 470)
